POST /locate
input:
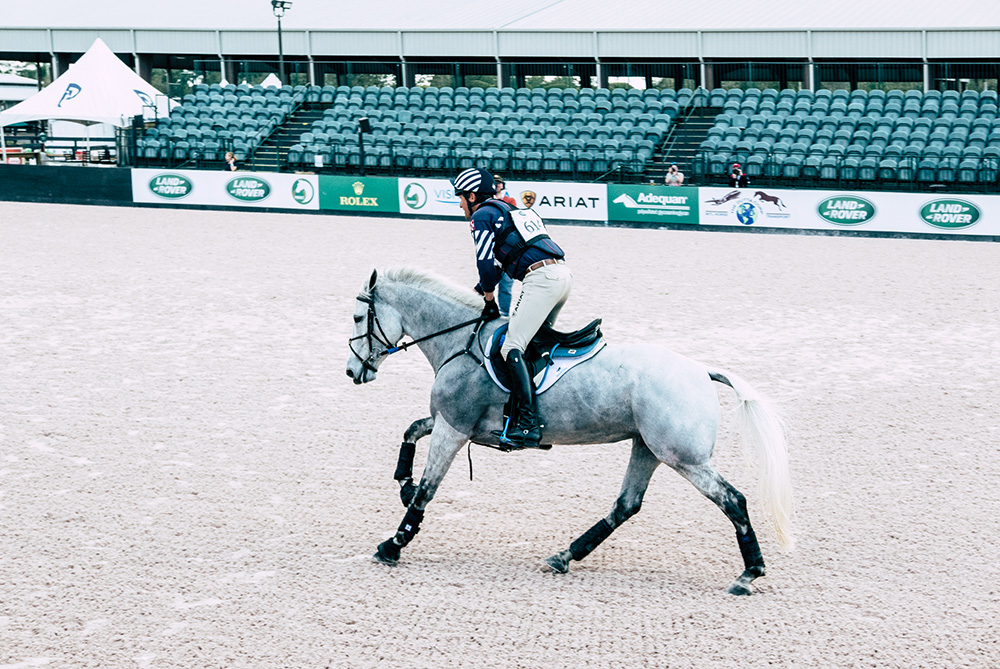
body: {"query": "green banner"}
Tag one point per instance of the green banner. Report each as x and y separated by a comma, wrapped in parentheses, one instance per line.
(653, 204)
(375, 194)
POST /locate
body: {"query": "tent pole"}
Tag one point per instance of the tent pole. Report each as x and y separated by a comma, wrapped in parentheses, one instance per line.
(3, 148)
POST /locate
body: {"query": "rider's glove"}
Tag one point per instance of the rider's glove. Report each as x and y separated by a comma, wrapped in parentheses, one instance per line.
(479, 289)
(490, 311)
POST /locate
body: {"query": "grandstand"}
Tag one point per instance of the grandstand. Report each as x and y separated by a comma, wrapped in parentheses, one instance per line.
(555, 132)
(863, 136)
(893, 97)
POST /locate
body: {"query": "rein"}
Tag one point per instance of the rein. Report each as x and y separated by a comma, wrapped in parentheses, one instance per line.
(381, 338)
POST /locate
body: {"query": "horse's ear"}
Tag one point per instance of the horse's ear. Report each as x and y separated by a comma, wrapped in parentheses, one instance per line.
(371, 281)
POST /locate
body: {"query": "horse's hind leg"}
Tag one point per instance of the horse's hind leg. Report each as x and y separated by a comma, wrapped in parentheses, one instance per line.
(404, 464)
(446, 441)
(640, 470)
(711, 484)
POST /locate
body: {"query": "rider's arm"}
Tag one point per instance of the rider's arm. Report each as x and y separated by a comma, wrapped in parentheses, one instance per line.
(483, 224)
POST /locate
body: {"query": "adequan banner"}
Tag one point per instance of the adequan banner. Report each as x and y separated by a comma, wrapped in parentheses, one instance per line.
(428, 197)
(359, 194)
(223, 188)
(560, 200)
(653, 204)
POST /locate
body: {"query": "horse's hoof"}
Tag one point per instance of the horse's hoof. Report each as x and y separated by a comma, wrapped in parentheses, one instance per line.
(557, 564)
(387, 553)
(740, 589)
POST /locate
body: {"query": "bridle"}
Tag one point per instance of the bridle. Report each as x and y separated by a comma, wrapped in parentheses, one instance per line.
(372, 336)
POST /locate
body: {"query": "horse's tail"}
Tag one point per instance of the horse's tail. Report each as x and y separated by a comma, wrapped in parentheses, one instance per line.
(763, 439)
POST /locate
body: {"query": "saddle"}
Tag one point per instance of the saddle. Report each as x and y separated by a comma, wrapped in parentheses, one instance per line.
(550, 355)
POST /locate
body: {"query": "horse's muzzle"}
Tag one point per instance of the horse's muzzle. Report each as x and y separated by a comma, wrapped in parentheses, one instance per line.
(359, 378)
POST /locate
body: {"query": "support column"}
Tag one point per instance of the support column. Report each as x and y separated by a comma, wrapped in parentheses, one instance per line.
(927, 76)
(707, 76)
(599, 69)
(229, 71)
(518, 76)
(144, 66)
(60, 64)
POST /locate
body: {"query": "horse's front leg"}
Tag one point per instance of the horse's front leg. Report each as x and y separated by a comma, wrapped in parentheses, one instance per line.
(404, 464)
(446, 441)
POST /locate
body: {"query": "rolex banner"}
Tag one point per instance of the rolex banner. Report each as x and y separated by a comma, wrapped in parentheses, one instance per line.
(226, 189)
(359, 194)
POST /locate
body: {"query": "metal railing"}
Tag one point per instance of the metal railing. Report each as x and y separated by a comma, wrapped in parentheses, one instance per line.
(686, 112)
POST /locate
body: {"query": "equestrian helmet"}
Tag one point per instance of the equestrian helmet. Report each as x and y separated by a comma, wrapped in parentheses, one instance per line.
(475, 180)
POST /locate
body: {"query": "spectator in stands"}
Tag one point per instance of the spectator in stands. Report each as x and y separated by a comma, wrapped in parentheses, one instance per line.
(502, 194)
(506, 284)
(674, 176)
(738, 178)
(230, 162)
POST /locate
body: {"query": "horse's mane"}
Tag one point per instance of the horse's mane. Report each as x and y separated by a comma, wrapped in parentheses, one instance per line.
(432, 283)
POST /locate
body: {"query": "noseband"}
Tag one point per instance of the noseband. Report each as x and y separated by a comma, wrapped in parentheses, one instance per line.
(372, 336)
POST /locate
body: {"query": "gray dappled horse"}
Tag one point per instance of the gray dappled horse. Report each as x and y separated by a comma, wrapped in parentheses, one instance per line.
(665, 403)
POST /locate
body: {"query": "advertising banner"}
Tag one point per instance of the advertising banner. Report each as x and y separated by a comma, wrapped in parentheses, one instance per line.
(230, 189)
(428, 197)
(556, 200)
(359, 194)
(911, 213)
(653, 204)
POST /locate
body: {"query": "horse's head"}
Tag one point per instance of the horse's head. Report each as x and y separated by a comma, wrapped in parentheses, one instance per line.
(377, 328)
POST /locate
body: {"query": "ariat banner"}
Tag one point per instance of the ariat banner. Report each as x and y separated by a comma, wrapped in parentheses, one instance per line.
(359, 194)
(653, 204)
(226, 189)
(557, 200)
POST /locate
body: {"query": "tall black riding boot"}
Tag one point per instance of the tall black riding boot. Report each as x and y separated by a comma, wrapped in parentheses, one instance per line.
(527, 433)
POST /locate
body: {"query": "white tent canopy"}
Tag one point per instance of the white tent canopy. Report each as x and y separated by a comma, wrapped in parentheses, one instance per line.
(98, 88)
(271, 80)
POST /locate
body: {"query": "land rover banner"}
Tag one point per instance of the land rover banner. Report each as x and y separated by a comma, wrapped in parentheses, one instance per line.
(428, 197)
(228, 189)
(656, 205)
(359, 194)
(556, 200)
(864, 211)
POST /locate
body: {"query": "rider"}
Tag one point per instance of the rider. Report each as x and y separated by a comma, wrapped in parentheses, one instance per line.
(514, 241)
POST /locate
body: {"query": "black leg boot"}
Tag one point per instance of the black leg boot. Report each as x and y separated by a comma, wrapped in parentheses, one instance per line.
(527, 433)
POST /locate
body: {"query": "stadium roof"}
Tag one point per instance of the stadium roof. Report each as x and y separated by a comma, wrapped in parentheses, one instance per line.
(519, 15)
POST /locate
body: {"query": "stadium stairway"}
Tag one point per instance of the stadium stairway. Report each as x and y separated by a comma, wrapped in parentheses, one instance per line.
(272, 155)
(688, 134)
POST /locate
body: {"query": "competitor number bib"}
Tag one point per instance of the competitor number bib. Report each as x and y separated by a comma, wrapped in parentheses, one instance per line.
(528, 224)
